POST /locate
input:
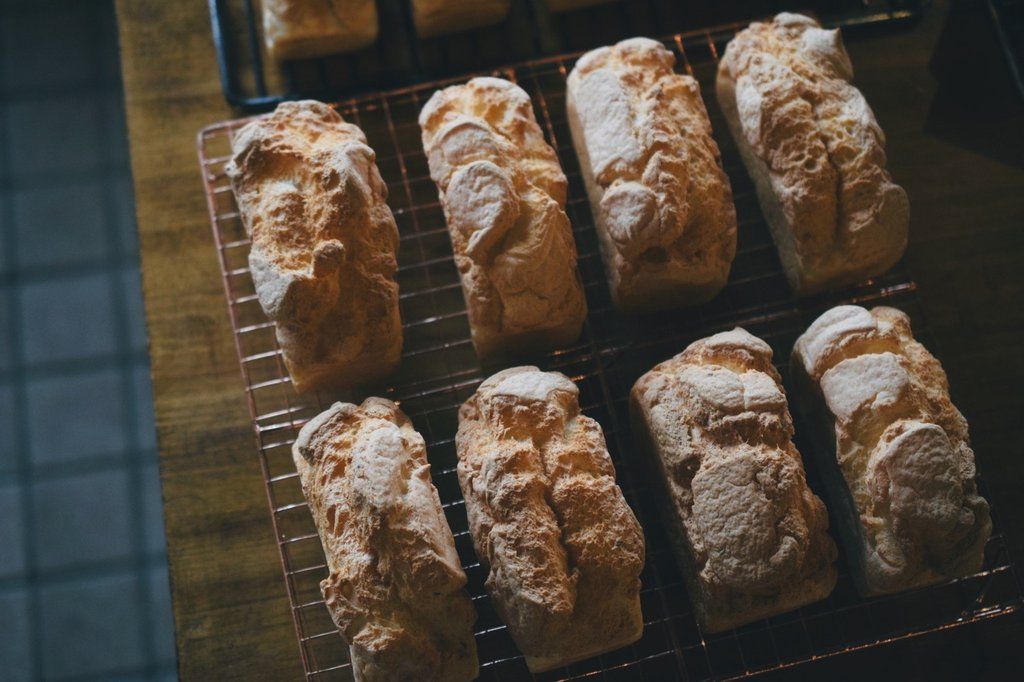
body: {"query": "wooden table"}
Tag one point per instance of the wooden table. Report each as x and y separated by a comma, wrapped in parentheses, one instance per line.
(956, 142)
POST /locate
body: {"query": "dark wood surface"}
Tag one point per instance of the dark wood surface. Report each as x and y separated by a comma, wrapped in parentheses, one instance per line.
(956, 142)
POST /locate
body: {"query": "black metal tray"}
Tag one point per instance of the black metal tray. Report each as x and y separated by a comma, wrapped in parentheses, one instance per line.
(253, 82)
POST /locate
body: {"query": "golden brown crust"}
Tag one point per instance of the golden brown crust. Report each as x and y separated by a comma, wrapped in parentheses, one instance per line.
(750, 535)
(504, 194)
(323, 244)
(912, 511)
(437, 17)
(662, 202)
(563, 548)
(396, 589)
(303, 29)
(815, 152)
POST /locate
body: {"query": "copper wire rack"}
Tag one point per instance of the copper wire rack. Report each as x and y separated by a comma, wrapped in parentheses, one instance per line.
(440, 370)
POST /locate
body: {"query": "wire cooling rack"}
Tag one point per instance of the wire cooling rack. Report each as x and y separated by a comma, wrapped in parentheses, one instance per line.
(254, 82)
(440, 370)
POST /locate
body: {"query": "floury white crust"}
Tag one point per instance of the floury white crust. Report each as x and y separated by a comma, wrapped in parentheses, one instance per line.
(749, 534)
(815, 152)
(301, 29)
(396, 589)
(900, 462)
(437, 17)
(323, 244)
(504, 196)
(653, 173)
(563, 549)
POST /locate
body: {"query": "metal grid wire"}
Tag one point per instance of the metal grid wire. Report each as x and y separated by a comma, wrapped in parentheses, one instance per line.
(440, 370)
(252, 81)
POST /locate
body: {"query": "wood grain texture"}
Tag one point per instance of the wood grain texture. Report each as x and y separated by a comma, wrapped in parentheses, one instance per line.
(231, 613)
(955, 141)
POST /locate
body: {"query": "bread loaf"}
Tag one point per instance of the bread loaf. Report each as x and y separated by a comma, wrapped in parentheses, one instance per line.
(396, 587)
(437, 17)
(323, 244)
(303, 29)
(815, 152)
(659, 196)
(563, 549)
(749, 534)
(897, 459)
(504, 194)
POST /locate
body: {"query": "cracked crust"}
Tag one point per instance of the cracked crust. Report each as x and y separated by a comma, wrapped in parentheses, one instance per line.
(437, 17)
(504, 195)
(899, 457)
(323, 244)
(815, 152)
(653, 172)
(304, 29)
(563, 549)
(750, 535)
(396, 589)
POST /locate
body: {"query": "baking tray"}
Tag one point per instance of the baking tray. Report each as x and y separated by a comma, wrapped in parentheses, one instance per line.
(440, 370)
(253, 82)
